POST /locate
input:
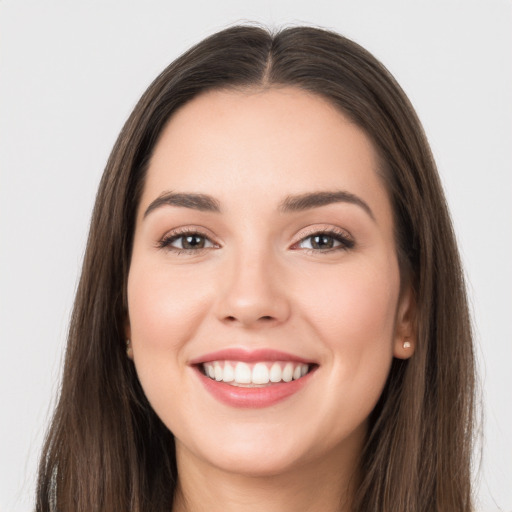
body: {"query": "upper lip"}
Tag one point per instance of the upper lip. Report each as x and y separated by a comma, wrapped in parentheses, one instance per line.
(248, 356)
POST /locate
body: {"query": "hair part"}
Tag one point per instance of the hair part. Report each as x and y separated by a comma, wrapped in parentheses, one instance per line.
(106, 448)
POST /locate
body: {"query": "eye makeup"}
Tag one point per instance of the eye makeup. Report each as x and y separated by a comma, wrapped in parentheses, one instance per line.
(186, 240)
(192, 240)
(324, 241)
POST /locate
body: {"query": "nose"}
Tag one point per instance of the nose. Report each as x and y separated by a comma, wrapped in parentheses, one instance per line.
(252, 292)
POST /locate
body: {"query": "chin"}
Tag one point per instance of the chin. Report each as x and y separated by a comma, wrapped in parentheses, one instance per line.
(257, 461)
(269, 450)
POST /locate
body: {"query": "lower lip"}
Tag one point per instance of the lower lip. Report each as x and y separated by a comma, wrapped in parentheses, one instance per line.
(252, 398)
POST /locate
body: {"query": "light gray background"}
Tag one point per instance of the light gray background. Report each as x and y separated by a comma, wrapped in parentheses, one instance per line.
(71, 71)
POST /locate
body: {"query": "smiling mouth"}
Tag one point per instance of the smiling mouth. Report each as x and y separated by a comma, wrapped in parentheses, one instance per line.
(252, 375)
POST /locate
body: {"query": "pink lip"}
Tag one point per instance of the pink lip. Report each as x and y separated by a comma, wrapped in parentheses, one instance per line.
(259, 397)
(248, 356)
(252, 398)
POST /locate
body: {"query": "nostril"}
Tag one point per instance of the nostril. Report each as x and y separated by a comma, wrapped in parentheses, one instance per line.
(265, 318)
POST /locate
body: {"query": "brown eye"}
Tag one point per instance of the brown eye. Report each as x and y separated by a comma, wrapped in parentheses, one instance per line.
(192, 242)
(325, 242)
(186, 242)
(322, 242)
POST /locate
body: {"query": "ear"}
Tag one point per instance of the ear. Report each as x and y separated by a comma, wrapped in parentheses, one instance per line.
(128, 337)
(405, 325)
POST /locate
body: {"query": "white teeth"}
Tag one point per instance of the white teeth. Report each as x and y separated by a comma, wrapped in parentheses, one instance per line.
(276, 373)
(258, 374)
(229, 373)
(218, 371)
(288, 372)
(242, 373)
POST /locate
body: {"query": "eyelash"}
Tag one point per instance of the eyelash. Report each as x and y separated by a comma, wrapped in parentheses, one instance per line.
(345, 242)
(167, 240)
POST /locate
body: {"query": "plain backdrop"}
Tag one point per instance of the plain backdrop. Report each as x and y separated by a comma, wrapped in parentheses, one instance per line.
(72, 70)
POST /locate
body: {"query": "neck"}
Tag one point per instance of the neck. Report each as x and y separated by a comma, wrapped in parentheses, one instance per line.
(323, 485)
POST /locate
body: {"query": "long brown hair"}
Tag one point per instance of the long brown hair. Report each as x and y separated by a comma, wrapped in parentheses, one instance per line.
(107, 450)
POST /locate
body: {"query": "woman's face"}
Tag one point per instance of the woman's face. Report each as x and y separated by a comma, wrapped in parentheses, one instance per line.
(263, 250)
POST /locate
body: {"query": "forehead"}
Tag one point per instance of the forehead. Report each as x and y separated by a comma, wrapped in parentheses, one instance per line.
(237, 145)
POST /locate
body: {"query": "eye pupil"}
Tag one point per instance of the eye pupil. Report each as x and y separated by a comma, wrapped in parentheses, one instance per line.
(322, 242)
(193, 242)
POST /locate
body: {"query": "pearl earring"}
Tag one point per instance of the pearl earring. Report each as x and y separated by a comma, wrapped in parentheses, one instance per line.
(407, 344)
(129, 350)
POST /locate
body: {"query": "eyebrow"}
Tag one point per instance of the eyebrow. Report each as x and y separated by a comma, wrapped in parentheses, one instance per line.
(316, 199)
(293, 203)
(200, 202)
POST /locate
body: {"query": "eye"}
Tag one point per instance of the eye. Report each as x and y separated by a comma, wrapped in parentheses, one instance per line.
(325, 241)
(186, 242)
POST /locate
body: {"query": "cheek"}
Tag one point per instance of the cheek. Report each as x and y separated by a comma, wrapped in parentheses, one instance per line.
(164, 311)
(352, 314)
(164, 307)
(355, 304)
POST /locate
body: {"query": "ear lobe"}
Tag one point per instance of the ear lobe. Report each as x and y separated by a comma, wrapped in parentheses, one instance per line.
(405, 325)
(403, 349)
(128, 337)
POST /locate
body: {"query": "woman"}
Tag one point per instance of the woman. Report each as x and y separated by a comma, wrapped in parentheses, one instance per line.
(271, 313)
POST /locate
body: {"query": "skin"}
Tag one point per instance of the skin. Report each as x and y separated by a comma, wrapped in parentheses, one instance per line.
(259, 284)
